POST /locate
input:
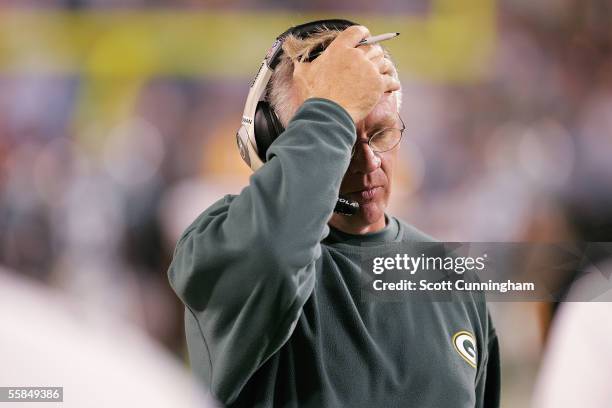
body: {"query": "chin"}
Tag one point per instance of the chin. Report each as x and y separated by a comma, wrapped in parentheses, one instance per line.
(371, 212)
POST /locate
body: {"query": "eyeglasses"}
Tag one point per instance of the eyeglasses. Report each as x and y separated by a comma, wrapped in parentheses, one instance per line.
(385, 139)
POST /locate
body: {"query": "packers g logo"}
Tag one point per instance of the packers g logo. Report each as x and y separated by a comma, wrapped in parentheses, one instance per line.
(465, 345)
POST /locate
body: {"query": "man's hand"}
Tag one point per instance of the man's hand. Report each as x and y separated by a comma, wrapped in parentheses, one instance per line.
(354, 77)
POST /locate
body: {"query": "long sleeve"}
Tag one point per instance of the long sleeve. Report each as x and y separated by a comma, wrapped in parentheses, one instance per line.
(245, 267)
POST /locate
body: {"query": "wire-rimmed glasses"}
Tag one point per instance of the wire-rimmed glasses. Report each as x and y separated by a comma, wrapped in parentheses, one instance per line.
(385, 139)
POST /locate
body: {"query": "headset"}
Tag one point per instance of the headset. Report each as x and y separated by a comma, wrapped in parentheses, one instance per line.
(260, 125)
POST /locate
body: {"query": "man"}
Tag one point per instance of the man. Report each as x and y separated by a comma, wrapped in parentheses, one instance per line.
(270, 278)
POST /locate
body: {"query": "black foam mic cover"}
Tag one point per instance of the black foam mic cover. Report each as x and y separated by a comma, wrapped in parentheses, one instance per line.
(345, 206)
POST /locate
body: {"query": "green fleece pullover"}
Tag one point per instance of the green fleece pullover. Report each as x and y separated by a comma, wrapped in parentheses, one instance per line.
(273, 315)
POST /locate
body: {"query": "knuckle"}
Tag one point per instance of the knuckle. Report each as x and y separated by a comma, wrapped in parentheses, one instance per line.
(365, 49)
(362, 29)
(356, 30)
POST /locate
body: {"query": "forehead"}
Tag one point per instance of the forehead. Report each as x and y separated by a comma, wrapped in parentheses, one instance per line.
(384, 114)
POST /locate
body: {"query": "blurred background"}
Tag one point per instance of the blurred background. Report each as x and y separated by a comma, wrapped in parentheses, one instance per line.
(117, 124)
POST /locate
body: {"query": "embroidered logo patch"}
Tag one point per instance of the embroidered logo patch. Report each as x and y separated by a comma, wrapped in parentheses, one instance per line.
(465, 345)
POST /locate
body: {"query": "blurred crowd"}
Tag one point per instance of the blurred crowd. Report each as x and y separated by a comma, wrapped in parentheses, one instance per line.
(522, 153)
(506, 158)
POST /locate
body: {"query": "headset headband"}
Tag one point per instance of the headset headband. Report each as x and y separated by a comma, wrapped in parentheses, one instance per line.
(245, 137)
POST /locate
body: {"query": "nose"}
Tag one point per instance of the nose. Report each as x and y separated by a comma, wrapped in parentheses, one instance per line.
(364, 159)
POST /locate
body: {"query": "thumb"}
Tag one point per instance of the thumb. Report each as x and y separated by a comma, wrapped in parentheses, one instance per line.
(350, 37)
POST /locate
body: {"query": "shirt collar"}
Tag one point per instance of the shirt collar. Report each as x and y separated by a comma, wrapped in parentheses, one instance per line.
(388, 234)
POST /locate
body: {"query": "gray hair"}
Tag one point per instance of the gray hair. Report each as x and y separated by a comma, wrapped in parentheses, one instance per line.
(280, 92)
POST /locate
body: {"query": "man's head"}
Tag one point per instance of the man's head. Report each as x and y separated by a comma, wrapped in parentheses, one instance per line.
(369, 175)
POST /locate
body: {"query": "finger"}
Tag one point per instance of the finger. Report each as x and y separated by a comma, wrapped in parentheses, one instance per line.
(384, 66)
(350, 37)
(379, 64)
(373, 51)
(298, 67)
(390, 84)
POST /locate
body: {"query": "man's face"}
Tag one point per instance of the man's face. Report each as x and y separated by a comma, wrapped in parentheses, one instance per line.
(369, 175)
